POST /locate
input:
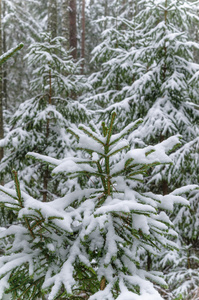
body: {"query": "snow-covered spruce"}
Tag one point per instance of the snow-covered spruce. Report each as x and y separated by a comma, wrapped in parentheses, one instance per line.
(147, 68)
(24, 21)
(40, 123)
(4, 57)
(119, 64)
(182, 267)
(85, 244)
(171, 76)
(170, 86)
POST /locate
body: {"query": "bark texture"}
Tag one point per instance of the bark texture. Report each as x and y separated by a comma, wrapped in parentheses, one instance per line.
(1, 86)
(65, 22)
(83, 35)
(73, 28)
(52, 17)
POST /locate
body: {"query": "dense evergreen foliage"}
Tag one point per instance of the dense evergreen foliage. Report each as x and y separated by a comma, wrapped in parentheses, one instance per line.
(40, 123)
(99, 139)
(88, 242)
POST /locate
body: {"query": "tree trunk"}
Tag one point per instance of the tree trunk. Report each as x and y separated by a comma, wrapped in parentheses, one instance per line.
(102, 283)
(47, 173)
(65, 23)
(83, 35)
(52, 18)
(4, 90)
(1, 95)
(73, 28)
(105, 13)
(165, 188)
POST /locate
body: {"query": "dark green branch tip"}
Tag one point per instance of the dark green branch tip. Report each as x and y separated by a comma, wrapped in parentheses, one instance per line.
(113, 115)
(104, 129)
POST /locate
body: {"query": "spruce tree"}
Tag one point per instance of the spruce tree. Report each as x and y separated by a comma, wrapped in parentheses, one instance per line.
(21, 20)
(147, 69)
(181, 267)
(171, 69)
(40, 122)
(3, 58)
(150, 72)
(174, 76)
(87, 243)
(117, 62)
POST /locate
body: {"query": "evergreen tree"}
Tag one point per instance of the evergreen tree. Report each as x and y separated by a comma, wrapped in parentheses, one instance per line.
(52, 18)
(3, 58)
(22, 22)
(86, 244)
(114, 60)
(94, 11)
(145, 69)
(39, 124)
(171, 69)
(174, 76)
(181, 267)
(150, 72)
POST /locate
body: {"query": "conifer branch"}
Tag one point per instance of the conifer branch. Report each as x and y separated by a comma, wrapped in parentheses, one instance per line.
(125, 131)
(9, 53)
(110, 128)
(17, 186)
(18, 191)
(102, 283)
(89, 133)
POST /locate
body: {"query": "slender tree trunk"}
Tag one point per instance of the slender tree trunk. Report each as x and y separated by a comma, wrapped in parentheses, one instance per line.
(47, 173)
(188, 259)
(69, 27)
(73, 28)
(149, 261)
(5, 64)
(165, 47)
(45, 184)
(1, 86)
(65, 22)
(165, 187)
(52, 18)
(105, 13)
(83, 35)
(102, 283)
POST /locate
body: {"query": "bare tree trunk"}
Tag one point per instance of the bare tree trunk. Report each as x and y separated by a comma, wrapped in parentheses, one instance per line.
(1, 86)
(47, 173)
(45, 184)
(52, 18)
(73, 28)
(105, 13)
(5, 64)
(83, 35)
(65, 22)
(165, 188)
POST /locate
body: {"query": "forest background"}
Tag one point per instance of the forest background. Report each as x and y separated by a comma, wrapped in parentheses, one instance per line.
(134, 64)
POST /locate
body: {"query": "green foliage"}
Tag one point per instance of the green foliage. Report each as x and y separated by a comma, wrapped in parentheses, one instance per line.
(40, 123)
(179, 297)
(10, 53)
(87, 243)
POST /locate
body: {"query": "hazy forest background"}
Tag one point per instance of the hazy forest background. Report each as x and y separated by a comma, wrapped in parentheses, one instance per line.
(99, 149)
